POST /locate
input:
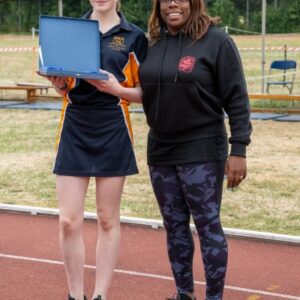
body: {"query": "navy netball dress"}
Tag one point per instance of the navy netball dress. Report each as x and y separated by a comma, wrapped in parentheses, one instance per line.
(95, 135)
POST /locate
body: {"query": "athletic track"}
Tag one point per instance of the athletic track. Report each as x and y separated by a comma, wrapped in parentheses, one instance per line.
(31, 267)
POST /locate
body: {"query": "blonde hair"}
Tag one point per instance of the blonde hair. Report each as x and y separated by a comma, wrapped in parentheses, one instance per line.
(196, 27)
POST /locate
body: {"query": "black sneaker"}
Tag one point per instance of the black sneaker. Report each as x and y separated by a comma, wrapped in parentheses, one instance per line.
(98, 297)
(181, 297)
(70, 298)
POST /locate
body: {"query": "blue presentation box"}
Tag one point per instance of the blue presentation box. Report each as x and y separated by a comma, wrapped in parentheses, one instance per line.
(69, 47)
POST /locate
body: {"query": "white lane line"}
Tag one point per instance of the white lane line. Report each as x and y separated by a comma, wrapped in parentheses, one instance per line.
(229, 287)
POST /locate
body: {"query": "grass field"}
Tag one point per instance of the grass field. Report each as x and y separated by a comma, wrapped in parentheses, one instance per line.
(269, 200)
(21, 66)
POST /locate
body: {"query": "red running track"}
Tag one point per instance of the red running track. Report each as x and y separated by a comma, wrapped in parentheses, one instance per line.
(31, 268)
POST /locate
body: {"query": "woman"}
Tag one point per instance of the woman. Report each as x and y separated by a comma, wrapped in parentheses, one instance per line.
(95, 140)
(192, 73)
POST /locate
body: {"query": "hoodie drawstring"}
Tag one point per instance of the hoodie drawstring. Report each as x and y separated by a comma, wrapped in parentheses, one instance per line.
(159, 75)
(178, 56)
(161, 65)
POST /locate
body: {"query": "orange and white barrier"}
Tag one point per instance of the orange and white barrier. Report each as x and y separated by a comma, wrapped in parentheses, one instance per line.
(270, 49)
(30, 49)
(18, 49)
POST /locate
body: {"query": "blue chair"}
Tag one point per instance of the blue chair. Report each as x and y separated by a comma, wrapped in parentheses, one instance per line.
(287, 80)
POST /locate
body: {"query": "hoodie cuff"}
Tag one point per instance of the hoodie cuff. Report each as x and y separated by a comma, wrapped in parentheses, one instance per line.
(238, 149)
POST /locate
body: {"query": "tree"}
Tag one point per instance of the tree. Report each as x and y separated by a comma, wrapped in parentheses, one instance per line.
(284, 19)
(137, 12)
(227, 11)
(282, 16)
(1, 13)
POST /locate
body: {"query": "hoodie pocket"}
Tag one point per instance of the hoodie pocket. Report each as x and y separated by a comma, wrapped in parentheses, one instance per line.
(177, 108)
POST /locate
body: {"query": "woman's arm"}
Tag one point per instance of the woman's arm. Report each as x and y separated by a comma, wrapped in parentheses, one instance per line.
(236, 103)
(113, 87)
(234, 95)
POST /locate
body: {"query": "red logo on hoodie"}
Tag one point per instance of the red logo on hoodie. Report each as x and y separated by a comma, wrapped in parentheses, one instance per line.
(187, 64)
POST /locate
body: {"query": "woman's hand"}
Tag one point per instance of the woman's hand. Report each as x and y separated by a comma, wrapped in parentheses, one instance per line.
(113, 87)
(236, 171)
(59, 83)
(110, 86)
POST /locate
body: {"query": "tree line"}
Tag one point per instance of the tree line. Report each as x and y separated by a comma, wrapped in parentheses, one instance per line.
(283, 16)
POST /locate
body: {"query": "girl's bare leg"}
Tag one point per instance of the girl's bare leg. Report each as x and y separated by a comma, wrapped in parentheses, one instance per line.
(109, 192)
(71, 192)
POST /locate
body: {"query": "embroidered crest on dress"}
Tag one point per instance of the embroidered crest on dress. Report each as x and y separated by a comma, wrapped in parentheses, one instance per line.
(187, 64)
(117, 43)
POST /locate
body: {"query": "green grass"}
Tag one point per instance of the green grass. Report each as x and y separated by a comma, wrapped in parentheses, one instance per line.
(275, 104)
(269, 200)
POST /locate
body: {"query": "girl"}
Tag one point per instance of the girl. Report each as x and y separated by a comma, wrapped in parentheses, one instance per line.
(95, 140)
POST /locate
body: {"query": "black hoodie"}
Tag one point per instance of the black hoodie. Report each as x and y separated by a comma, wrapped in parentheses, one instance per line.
(188, 85)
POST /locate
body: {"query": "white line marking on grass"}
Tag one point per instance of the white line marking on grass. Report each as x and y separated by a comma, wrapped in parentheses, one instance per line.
(147, 275)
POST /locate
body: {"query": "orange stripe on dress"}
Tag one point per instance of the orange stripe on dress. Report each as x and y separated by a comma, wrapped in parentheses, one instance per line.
(131, 80)
(131, 71)
(66, 101)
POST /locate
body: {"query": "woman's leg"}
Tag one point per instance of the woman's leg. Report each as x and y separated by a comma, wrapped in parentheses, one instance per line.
(71, 192)
(202, 186)
(176, 217)
(108, 198)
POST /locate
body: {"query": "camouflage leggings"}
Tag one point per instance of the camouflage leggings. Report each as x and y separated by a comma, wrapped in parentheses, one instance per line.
(193, 189)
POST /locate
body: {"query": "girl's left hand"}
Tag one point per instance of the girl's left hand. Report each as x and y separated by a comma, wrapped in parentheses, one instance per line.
(110, 86)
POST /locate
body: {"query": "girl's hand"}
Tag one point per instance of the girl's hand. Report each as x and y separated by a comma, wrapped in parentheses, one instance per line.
(110, 86)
